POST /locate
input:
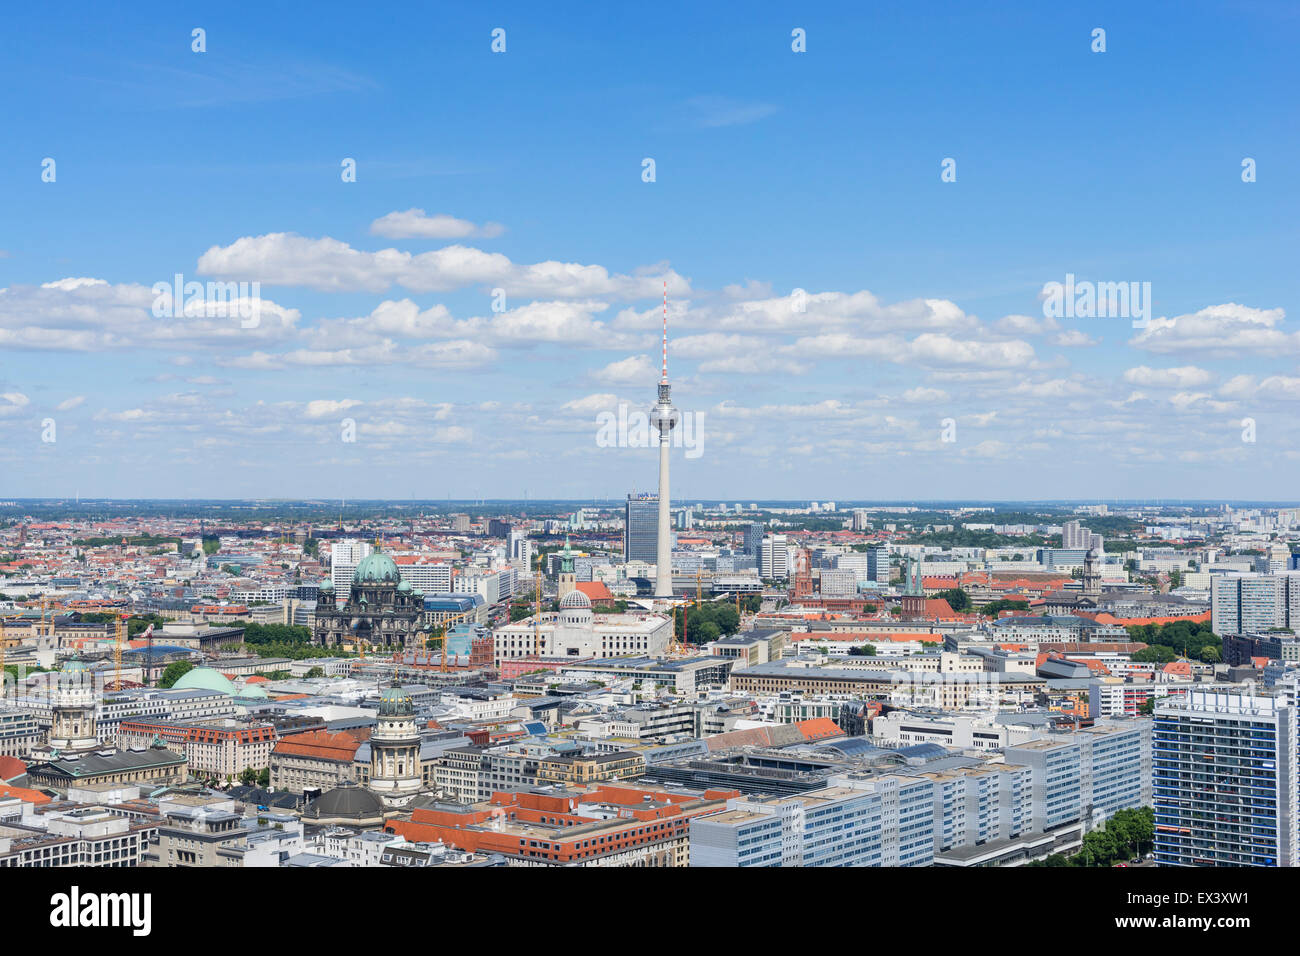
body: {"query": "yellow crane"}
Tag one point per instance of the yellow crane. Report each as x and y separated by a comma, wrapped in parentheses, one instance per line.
(117, 651)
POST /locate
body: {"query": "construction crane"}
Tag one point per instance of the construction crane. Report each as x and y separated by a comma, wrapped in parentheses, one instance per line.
(117, 650)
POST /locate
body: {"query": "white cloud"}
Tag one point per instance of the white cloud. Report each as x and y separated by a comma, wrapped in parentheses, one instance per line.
(1228, 329)
(416, 224)
(330, 265)
(1184, 376)
(591, 404)
(633, 370)
(328, 408)
(1282, 388)
(92, 315)
(923, 395)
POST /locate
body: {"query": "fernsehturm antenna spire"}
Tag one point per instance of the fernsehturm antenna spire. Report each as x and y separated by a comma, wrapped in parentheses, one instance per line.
(664, 417)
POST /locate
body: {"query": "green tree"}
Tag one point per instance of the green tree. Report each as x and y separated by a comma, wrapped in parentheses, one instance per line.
(957, 599)
(994, 608)
(1155, 654)
(174, 672)
(316, 672)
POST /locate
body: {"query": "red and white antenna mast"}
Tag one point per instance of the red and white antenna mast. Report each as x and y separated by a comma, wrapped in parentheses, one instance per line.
(664, 380)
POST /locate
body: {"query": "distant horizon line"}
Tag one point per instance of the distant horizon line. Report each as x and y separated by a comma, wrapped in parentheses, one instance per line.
(840, 503)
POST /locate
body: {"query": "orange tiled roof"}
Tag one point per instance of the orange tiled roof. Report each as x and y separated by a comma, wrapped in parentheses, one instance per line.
(23, 794)
(341, 745)
(595, 590)
(1102, 617)
(819, 728)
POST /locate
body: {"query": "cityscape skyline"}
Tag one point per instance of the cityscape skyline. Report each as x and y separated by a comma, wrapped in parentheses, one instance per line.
(846, 322)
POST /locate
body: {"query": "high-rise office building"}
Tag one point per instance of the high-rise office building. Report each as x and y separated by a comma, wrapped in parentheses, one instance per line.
(1253, 603)
(754, 539)
(1224, 780)
(641, 528)
(1075, 537)
(776, 558)
(878, 568)
(345, 555)
(520, 549)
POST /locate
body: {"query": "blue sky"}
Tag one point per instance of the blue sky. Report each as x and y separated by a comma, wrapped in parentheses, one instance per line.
(775, 171)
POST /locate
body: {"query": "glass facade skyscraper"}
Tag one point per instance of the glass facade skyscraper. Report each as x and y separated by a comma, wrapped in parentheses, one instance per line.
(641, 528)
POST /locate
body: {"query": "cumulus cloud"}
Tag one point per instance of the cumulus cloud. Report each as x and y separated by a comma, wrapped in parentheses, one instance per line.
(1228, 329)
(416, 224)
(1184, 376)
(330, 265)
(633, 370)
(92, 315)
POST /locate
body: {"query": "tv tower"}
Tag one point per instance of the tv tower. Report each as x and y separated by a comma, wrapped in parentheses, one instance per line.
(664, 417)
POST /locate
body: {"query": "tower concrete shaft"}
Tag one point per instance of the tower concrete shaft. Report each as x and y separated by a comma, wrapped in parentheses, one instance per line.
(664, 417)
(664, 555)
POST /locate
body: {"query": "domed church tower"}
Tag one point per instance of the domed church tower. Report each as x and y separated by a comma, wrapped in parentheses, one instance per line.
(395, 749)
(73, 703)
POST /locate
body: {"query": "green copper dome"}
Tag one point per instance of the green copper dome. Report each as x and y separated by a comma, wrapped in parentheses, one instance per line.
(206, 678)
(395, 702)
(376, 568)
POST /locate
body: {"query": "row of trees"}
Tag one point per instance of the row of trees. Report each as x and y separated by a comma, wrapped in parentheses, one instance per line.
(962, 538)
(961, 602)
(276, 634)
(706, 621)
(1185, 638)
(1126, 836)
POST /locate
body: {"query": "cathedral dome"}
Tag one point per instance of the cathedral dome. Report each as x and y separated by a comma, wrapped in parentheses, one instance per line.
(575, 599)
(377, 568)
(347, 804)
(206, 678)
(395, 702)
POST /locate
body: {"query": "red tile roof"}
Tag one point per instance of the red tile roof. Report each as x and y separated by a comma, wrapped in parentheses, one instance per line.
(11, 767)
(819, 728)
(23, 794)
(595, 591)
(322, 744)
